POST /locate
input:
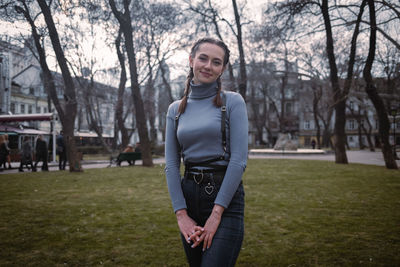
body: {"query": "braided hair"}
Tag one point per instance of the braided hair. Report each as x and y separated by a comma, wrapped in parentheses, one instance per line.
(217, 100)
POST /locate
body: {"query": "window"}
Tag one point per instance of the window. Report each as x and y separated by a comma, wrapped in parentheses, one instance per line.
(31, 91)
(12, 108)
(22, 108)
(37, 109)
(307, 125)
(288, 108)
(30, 109)
(45, 110)
(351, 105)
(351, 124)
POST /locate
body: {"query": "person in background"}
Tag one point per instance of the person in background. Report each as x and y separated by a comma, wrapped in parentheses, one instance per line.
(8, 157)
(138, 148)
(3, 152)
(128, 149)
(26, 155)
(313, 143)
(41, 153)
(61, 151)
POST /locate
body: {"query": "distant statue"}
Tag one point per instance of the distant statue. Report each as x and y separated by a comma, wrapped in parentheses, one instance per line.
(285, 142)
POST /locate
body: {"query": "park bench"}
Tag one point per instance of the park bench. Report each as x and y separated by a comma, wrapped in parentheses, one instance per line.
(130, 157)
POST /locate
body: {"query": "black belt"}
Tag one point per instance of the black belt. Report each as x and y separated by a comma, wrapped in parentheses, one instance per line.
(205, 176)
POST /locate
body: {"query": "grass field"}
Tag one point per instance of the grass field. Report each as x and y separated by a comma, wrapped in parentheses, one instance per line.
(298, 213)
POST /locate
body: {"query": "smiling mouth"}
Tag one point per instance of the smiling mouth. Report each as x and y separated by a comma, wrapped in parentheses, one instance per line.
(206, 74)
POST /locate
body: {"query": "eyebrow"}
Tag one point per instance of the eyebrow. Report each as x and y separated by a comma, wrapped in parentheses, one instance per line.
(205, 55)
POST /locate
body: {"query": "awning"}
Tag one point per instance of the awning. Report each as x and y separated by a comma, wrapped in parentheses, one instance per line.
(27, 117)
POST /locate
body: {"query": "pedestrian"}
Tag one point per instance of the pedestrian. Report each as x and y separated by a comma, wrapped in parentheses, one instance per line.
(7, 150)
(3, 152)
(313, 143)
(128, 149)
(41, 153)
(209, 128)
(61, 151)
(26, 155)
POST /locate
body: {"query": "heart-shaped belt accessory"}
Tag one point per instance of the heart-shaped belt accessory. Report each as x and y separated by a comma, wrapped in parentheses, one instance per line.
(209, 189)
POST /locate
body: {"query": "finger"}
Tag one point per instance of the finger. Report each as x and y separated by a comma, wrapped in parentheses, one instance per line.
(210, 239)
(199, 228)
(205, 242)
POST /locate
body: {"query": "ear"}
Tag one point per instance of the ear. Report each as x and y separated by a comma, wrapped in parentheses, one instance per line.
(191, 61)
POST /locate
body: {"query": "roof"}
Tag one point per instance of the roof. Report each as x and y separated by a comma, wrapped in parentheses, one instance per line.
(11, 130)
(27, 117)
(90, 134)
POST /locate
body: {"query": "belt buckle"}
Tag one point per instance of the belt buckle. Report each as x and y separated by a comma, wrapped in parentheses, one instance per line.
(196, 179)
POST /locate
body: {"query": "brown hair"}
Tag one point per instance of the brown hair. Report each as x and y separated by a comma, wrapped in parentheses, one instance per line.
(217, 100)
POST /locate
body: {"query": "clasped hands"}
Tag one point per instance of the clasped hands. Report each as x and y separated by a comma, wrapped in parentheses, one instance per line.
(195, 234)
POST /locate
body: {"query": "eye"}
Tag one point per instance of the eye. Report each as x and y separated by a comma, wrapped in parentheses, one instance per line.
(217, 63)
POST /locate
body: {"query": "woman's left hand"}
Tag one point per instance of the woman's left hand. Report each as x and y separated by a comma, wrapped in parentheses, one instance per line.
(210, 228)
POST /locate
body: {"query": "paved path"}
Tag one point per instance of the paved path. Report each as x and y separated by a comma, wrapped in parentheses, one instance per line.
(357, 156)
(363, 157)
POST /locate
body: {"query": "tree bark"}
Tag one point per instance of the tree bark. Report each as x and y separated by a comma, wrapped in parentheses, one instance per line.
(384, 123)
(126, 26)
(242, 61)
(339, 99)
(67, 121)
(119, 111)
(317, 96)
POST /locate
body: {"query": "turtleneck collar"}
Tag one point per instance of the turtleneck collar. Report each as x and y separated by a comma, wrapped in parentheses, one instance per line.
(199, 91)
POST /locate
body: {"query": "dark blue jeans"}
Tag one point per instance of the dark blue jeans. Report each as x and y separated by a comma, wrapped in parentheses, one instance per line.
(228, 239)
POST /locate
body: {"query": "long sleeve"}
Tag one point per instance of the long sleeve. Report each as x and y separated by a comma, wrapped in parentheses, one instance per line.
(172, 159)
(238, 129)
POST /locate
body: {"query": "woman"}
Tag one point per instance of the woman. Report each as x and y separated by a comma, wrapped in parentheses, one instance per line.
(209, 128)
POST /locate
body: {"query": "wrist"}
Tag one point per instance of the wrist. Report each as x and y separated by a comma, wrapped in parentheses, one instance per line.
(181, 213)
(218, 210)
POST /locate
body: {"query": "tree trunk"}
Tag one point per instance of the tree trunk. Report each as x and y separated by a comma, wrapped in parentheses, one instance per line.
(339, 99)
(126, 27)
(316, 99)
(119, 111)
(242, 62)
(384, 123)
(67, 121)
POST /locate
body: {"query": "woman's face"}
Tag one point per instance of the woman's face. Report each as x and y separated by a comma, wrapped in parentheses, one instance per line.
(207, 63)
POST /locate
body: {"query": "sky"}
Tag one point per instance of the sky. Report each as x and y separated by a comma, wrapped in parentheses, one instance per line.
(254, 8)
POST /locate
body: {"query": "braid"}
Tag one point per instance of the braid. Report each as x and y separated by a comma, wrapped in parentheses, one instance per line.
(182, 105)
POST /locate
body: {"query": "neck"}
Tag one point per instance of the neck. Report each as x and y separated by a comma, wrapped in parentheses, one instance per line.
(203, 90)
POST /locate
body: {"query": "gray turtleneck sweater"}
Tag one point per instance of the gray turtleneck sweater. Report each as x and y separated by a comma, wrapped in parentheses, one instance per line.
(199, 135)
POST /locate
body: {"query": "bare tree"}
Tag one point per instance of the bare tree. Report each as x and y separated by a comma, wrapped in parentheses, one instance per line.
(119, 110)
(384, 123)
(67, 109)
(294, 8)
(125, 21)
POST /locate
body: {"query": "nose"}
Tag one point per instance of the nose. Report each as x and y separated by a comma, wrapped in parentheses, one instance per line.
(208, 64)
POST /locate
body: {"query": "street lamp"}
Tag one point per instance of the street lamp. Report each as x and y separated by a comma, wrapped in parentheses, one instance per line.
(393, 112)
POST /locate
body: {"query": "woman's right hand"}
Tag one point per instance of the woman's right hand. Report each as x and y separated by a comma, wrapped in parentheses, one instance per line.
(186, 224)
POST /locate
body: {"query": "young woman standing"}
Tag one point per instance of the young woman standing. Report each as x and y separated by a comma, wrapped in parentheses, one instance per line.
(209, 129)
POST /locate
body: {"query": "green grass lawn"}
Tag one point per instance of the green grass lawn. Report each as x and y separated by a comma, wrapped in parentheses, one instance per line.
(298, 213)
